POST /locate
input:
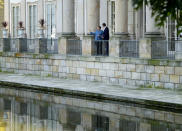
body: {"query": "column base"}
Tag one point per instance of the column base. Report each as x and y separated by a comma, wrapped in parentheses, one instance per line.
(155, 35)
(132, 36)
(65, 34)
(122, 35)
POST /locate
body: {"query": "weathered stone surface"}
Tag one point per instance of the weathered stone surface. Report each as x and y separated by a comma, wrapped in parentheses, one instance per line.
(174, 79)
(140, 68)
(122, 67)
(159, 69)
(135, 76)
(178, 70)
(154, 77)
(127, 75)
(122, 82)
(118, 74)
(164, 78)
(145, 48)
(110, 73)
(169, 85)
(102, 73)
(131, 67)
(169, 70)
(150, 69)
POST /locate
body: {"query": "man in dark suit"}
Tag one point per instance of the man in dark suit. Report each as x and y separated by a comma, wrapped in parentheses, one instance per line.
(105, 44)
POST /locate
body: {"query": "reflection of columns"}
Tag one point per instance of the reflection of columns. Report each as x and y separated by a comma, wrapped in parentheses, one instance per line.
(113, 124)
(68, 21)
(79, 128)
(131, 19)
(63, 118)
(86, 121)
(93, 17)
(151, 29)
(1, 104)
(121, 17)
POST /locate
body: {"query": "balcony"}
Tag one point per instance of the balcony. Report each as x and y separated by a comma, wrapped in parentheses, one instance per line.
(88, 47)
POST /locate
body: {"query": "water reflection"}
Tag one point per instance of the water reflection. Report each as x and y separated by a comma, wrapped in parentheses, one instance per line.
(24, 114)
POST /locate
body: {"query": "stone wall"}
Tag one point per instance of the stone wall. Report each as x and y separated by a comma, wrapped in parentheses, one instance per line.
(129, 72)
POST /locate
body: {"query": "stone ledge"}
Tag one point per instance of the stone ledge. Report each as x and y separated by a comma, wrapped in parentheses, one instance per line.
(151, 104)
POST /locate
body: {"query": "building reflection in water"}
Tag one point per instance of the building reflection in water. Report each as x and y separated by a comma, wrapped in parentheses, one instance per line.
(22, 114)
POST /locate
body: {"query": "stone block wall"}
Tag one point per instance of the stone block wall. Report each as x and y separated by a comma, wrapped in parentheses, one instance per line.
(129, 72)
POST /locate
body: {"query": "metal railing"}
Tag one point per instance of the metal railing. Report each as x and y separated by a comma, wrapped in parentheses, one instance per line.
(52, 46)
(13, 44)
(100, 48)
(163, 49)
(74, 47)
(31, 45)
(129, 48)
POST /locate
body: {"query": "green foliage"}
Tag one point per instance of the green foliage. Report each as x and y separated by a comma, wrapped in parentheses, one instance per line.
(162, 9)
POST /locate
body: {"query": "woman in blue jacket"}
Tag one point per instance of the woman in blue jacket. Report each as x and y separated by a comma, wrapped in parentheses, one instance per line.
(98, 39)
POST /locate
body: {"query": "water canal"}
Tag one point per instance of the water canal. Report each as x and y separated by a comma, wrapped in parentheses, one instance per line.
(29, 110)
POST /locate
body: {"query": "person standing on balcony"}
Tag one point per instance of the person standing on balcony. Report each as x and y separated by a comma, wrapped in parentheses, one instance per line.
(98, 40)
(105, 44)
(105, 32)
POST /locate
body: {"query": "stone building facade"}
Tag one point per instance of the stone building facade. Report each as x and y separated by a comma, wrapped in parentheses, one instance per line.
(79, 17)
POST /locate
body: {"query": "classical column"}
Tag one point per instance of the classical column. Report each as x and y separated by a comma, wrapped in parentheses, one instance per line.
(68, 21)
(131, 20)
(80, 17)
(23, 12)
(121, 17)
(92, 14)
(139, 20)
(152, 31)
(40, 9)
(7, 12)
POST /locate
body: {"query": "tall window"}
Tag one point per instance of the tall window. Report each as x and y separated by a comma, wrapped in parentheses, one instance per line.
(32, 21)
(50, 20)
(15, 19)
